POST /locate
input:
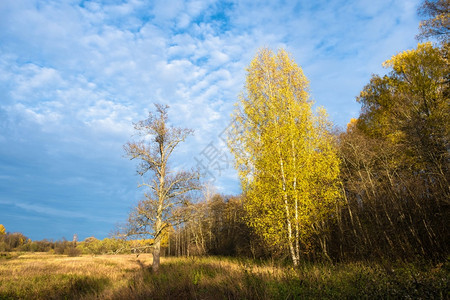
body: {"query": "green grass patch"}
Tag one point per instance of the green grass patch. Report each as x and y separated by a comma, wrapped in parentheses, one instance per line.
(8, 255)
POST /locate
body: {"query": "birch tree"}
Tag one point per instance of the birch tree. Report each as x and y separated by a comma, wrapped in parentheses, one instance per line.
(167, 190)
(284, 154)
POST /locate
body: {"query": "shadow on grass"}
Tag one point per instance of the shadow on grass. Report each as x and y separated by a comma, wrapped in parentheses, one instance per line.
(55, 286)
(223, 279)
(183, 279)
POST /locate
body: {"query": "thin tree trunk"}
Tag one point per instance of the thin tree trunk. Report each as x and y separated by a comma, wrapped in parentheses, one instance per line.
(177, 249)
(288, 216)
(188, 242)
(168, 241)
(297, 232)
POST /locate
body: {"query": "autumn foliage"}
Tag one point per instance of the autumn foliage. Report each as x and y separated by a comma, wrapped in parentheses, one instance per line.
(285, 155)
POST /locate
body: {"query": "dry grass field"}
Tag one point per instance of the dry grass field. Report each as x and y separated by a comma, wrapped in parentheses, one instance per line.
(46, 276)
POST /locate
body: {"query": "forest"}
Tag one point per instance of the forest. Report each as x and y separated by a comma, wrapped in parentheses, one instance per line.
(376, 192)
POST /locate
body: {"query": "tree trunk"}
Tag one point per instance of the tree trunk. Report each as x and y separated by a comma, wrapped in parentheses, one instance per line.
(156, 255)
(294, 256)
(177, 244)
(168, 241)
(157, 245)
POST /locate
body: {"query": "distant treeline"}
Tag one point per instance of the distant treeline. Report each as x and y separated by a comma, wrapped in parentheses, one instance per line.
(18, 242)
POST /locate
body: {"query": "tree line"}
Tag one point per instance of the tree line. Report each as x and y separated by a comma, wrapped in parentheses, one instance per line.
(17, 242)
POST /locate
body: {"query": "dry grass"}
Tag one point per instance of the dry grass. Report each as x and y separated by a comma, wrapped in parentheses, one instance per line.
(44, 276)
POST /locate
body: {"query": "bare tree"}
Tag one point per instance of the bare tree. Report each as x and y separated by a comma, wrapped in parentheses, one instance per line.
(168, 191)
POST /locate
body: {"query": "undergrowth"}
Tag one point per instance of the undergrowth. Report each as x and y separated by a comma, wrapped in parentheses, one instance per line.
(210, 278)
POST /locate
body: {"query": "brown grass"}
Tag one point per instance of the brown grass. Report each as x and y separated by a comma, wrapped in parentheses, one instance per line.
(44, 276)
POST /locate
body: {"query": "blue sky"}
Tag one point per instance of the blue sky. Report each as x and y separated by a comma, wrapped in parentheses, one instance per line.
(75, 74)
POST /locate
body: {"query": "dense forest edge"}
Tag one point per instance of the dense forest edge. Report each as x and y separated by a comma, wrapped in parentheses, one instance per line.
(324, 213)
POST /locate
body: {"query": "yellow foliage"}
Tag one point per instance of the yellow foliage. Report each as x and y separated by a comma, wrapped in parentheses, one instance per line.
(413, 93)
(2, 229)
(140, 243)
(284, 153)
(352, 124)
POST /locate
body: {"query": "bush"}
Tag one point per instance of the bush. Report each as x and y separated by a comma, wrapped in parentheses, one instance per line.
(4, 246)
(72, 252)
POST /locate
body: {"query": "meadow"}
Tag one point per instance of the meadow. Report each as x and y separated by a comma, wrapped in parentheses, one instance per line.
(126, 276)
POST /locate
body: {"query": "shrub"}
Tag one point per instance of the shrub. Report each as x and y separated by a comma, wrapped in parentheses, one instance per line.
(72, 252)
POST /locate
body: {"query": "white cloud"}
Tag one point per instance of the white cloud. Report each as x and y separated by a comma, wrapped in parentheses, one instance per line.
(107, 117)
(73, 78)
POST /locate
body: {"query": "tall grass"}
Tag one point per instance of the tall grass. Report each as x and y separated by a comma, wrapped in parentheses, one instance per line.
(210, 278)
(42, 276)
